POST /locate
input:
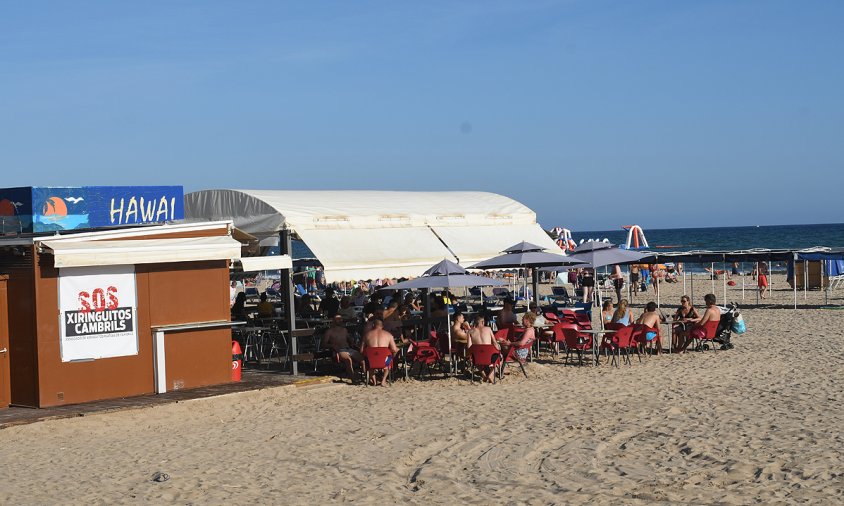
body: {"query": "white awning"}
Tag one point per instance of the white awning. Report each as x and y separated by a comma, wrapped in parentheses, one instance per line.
(473, 244)
(151, 251)
(270, 263)
(375, 253)
(376, 234)
(262, 212)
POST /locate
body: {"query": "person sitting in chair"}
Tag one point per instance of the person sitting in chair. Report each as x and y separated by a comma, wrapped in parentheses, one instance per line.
(683, 318)
(346, 310)
(650, 318)
(528, 336)
(622, 313)
(377, 337)
(607, 311)
(265, 307)
(481, 334)
(239, 309)
(329, 305)
(459, 329)
(506, 316)
(711, 314)
(337, 338)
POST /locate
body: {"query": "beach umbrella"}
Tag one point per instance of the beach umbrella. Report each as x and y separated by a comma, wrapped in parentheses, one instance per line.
(600, 254)
(445, 274)
(607, 255)
(444, 268)
(592, 245)
(524, 255)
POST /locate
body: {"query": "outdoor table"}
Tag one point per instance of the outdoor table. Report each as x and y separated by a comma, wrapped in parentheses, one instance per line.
(670, 324)
(595, 333)
(403, 346)
(252, 339)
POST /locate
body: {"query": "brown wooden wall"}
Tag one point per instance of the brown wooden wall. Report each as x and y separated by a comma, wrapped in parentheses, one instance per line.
(23, 358)
(166, 294)
(191, 292)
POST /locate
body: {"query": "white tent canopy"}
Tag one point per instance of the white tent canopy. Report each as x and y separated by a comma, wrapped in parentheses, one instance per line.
(126, 252)
(371, 234)
(269, 263)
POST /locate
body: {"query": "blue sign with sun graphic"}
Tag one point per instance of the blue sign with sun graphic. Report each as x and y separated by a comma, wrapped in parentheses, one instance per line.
(46, 209)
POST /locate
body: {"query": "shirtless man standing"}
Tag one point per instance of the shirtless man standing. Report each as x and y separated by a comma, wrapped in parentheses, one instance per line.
(481, 334)
(337, 338)
(377, 337)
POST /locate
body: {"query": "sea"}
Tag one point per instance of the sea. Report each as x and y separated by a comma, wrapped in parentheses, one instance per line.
(729, 238)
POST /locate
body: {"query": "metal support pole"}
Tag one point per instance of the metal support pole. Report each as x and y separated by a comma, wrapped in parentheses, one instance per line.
(712, 276)
(426, 312)
(286, 248)
(159, 367)
(692, 280)
(806, 280)
(742, 281)
(657, 288)
(794, 278)
(757, 283)
(724, 278)
(826, 286)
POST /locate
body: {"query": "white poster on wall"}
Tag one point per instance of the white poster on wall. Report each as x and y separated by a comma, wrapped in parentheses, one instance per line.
(98, 312)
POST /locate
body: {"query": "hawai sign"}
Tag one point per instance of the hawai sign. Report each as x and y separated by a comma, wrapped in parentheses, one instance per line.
(46, 209)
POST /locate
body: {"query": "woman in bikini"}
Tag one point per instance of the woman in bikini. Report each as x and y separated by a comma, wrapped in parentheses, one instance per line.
(622, 314)
(607, 311)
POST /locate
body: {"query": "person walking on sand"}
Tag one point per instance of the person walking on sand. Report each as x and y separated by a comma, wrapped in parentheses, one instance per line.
(762, 279)
(634, 279)
(617, 281)
(588, 283)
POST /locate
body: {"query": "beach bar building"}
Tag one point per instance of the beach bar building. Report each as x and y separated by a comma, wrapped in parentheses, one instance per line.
(89, 314)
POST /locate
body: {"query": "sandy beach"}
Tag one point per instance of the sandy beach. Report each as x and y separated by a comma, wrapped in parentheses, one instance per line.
(757, 424)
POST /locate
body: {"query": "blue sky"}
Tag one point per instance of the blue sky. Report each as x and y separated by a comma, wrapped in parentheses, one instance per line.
(595, 114)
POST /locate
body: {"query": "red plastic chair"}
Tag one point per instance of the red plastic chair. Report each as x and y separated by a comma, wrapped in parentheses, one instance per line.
(378, 359)
(584, 320)
(576, 341)
(557, 336)
(502, 334)
(512, 353)
(483, 356)
(622, 340)
(510, 327)
(711, 331)
(513, 356)
(424, 354)
(456, 351)
(640, 336)
(608, 345)
(569, 316)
